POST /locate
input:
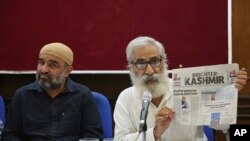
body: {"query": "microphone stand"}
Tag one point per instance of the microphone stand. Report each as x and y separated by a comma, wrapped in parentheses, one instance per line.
(226, 134)
(144, 129)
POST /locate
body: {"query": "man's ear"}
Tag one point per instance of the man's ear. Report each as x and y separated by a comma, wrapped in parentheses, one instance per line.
(68, 71)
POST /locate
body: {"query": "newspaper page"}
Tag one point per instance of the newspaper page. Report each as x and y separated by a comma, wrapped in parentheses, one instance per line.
(205, 95)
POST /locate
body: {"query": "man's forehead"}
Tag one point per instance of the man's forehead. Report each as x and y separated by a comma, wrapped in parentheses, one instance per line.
(146, 52)
(147, 57)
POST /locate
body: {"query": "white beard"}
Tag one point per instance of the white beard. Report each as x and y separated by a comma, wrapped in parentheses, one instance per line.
(157, 88)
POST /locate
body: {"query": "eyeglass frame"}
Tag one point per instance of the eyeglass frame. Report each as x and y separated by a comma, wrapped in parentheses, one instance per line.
(153, 63)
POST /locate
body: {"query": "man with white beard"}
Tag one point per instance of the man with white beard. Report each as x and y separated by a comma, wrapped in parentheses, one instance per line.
(147, 62)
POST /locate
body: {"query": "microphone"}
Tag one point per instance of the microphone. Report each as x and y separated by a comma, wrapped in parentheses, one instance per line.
(146, 99)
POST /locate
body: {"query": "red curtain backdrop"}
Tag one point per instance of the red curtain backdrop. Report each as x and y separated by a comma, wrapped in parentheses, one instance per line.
(194, 32)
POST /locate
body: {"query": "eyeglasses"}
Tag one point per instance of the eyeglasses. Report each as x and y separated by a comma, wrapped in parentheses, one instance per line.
(142, 64)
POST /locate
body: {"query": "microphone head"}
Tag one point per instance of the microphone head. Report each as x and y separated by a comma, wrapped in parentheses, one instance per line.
(147, 96)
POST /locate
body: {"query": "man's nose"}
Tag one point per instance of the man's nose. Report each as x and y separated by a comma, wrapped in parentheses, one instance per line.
(149, 69)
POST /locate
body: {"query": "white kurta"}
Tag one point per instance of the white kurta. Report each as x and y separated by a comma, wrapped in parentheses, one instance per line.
(127, 119)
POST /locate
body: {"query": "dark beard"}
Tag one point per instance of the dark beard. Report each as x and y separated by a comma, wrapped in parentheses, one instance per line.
(49, 85)
(52, 84)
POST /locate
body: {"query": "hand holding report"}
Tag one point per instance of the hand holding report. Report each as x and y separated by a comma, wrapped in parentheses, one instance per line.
(205, 95)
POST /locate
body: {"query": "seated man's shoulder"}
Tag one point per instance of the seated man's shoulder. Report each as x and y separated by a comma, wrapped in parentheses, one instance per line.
(81, 87)
(30, 86)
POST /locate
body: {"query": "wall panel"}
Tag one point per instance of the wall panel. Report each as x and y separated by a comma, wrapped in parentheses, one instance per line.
(194, 32)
